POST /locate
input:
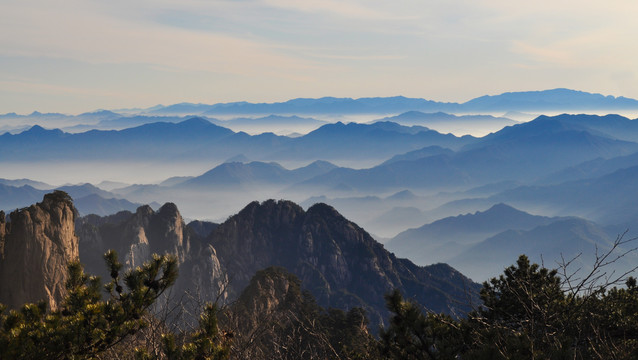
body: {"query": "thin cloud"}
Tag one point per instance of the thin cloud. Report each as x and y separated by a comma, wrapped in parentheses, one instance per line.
(97, 38)
(255, 49)
(357, 57)
(345, 9)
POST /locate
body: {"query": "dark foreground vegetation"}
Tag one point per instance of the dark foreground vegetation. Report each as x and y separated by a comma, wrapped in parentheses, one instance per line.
(528, 312)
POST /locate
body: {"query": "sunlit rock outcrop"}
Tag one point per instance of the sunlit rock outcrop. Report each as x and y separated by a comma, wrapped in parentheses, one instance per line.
(36, 246)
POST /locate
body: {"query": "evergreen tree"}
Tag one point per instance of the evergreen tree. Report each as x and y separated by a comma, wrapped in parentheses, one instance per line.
(527, 313)
(413, 335)
(524, 315)
(86, 324)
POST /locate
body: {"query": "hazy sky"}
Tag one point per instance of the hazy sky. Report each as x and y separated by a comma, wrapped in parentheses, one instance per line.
(80, 55)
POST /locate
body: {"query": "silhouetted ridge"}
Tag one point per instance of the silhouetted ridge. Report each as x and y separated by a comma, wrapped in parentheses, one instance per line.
(168, 210)
(144, 210)
(325, 211)
(336, 260)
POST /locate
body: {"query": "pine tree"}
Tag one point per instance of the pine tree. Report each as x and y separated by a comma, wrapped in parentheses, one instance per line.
(413, 335)
(86, 324)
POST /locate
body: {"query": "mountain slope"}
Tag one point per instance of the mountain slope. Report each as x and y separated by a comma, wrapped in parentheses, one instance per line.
(548, 244)
(14, 197)
(21, 182)
(446, 237)
(95, 204)
(419, 154)
(609, 199)
(438, 171)
(335, 259)
(366, 141)
(531, 150)
(591, 169)
(88, 198)
(231, 174)
(614, 126)
(523, 152)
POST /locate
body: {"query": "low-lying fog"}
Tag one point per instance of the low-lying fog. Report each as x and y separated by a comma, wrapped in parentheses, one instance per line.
(369, 210)
(381, 214)
(60, 173)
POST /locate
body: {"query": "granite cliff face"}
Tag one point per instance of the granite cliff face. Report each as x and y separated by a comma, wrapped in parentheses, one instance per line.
(35, 249)
(336, 260)
(333, 258)
(136, 236)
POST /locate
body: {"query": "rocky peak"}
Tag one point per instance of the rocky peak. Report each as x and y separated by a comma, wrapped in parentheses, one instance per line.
(323, 210)
(38, 245)
(143, 214)
(275, 214)
(168, 231)
(135, 236)
(336, 260)
(168, 210)
(246, 239)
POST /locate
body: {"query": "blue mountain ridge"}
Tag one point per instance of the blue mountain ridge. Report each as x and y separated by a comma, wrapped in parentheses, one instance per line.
(545, 100)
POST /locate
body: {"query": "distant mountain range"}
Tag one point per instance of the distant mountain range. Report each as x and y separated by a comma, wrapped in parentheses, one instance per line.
(562, 240)
(446, 237)
(292, 115)
(547, 100)
(609, 199)
(197, 139)
(481, 243)
(88, 198)
(388, 174)
(543, 152)
(522, 152)
(22, 182)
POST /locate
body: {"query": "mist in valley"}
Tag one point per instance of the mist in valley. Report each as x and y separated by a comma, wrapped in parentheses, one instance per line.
(361, 171)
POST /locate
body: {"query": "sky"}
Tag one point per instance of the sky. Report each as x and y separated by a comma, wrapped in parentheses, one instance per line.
(73, 56)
